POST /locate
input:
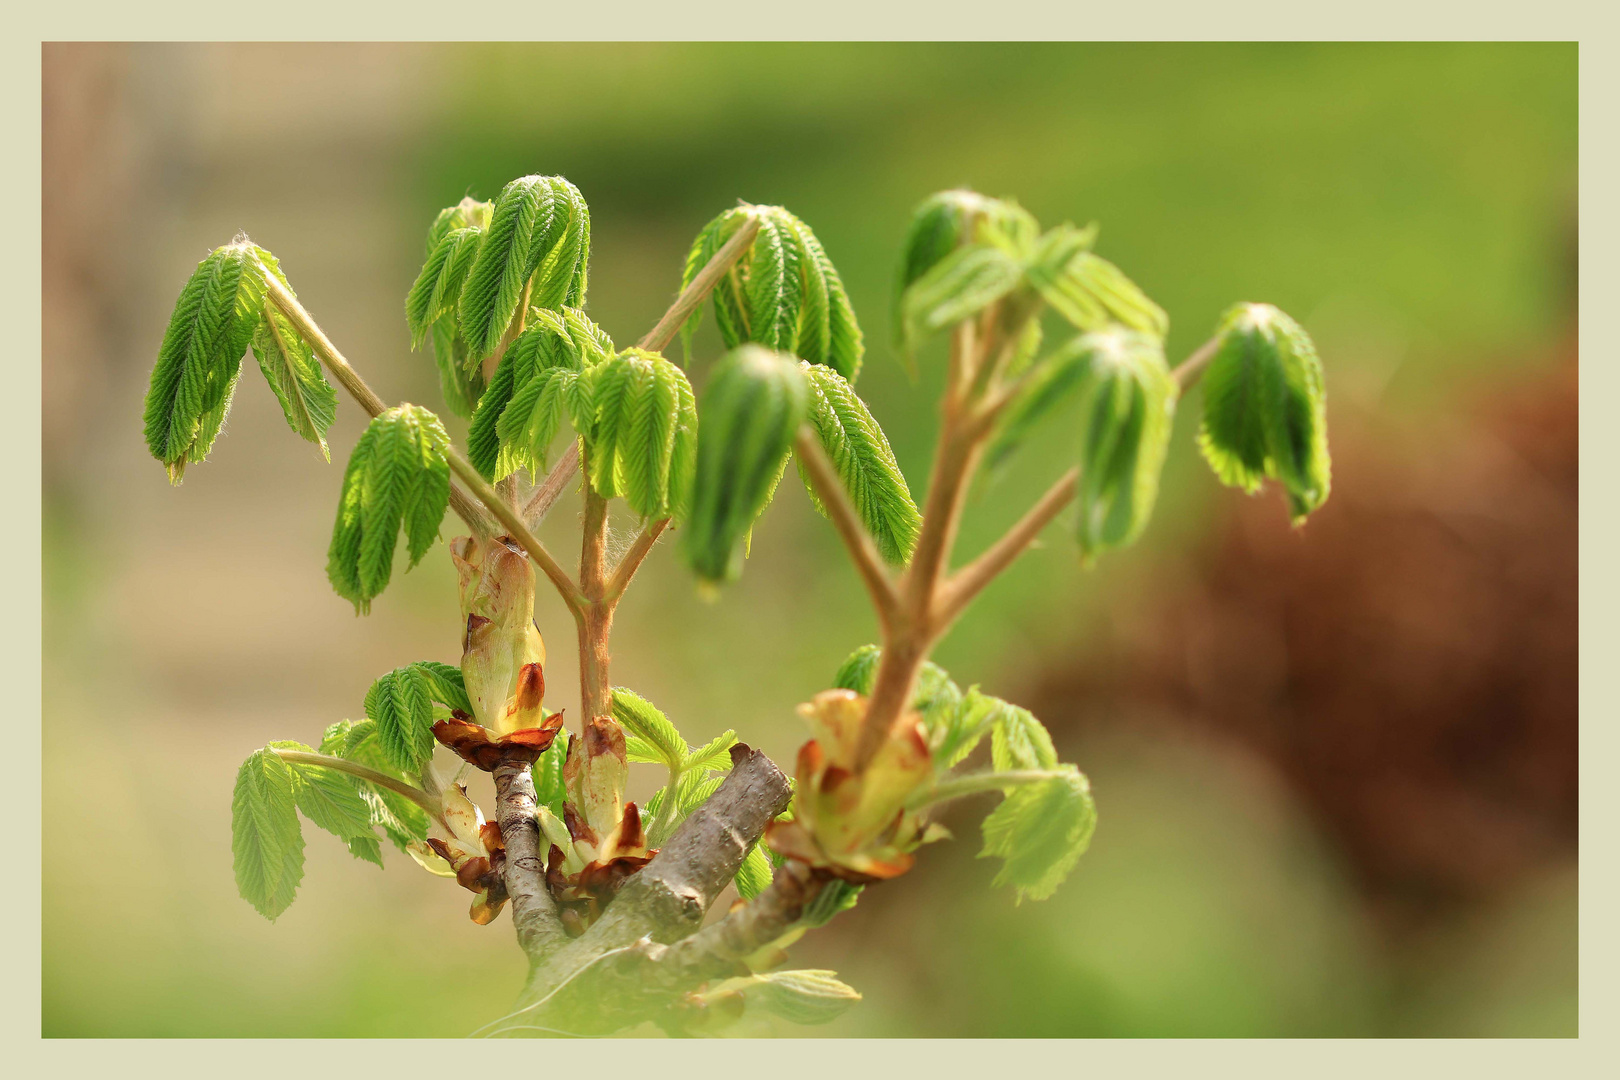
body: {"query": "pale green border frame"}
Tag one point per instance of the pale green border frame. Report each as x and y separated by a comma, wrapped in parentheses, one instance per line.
(20, 594)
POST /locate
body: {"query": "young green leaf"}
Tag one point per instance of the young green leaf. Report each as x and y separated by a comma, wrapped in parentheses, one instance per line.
(267, 846)
(978, 714)
(712, 756)
(461, 388)
(959, 286)
(753, 405)
(469, 211)
(1019, 741)
(539, 230)
(640, 443)
(435, 296)
(400, 819)
(201, 356)
(445, 684)
(290, 367)
(1091, 292)
(859, 670)
(538, 381)
(550, 790)
(754, 874)
(1132, 406)
(332, 800)
(936, 699)
(397, 477)
(1265, 408)
(1041, 831)
(860, 453)
(801, 997)
(1051, 382)
(642, 719)
(782, 293)
(947, 221)
(400, 704)
(835, 897)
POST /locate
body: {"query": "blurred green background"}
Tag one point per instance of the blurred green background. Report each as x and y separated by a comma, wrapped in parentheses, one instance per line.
(1335, 768)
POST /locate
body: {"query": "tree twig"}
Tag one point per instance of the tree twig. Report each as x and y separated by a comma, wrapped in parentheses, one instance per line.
(959, 590)
(639, 550)
(667, 899)
(1188, 371)
(848, 523)
(351, 381)
(534, 911)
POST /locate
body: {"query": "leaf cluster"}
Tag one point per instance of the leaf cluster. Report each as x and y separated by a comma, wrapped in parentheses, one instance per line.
(222, 311)
(398, 477)
(783, 293)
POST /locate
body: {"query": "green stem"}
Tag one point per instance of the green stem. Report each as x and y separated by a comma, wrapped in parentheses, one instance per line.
(958, 787)
(354, 768)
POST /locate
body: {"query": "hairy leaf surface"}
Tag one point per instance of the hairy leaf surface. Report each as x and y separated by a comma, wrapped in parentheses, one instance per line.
(1041, 831)
(398, 477)
(267, 846)
(201, 356)
(539, 230)
(1265, 411)
(753, 405)
(860, 453)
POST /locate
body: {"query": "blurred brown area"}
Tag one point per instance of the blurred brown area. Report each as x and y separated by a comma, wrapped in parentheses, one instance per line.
(1406, 659)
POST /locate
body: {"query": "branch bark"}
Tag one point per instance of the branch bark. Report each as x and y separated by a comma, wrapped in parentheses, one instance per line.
(534, 912)
(669, 897)
(959, 590)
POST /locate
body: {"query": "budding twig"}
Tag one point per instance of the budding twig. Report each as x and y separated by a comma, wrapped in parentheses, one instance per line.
(356, 386)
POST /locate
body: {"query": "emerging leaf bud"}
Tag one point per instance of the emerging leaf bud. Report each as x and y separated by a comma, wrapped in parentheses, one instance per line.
(854, 825)
(473, 848)
(502, 658)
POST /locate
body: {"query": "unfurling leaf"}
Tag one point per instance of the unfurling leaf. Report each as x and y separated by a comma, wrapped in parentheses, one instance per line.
(333, 801)
(539, 231)
(1265, 411)
(1088, 291)
(753, 405)
(936, 699)
(400, 819)
(201, 356)
(641, 438)
(290, 367)
(801, 997)
(1131, 399)
(400, 704)
(860, 453)
(959, 286)
(267, 845)
(946, 223)
(397, 477)
(549, 789)
(539, 382)
(1041, 831)
(643, 720)
(1019, 741)
(754, 873)
(782, 293)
